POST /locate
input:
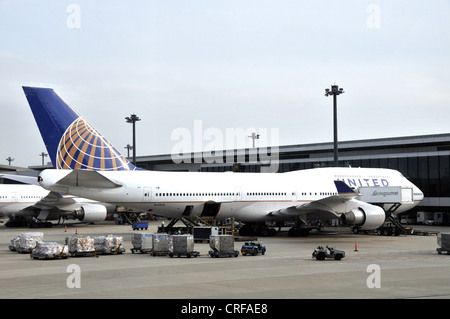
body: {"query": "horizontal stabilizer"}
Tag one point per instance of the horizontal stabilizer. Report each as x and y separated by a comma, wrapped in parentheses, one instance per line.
(88, 179)
(32, 180)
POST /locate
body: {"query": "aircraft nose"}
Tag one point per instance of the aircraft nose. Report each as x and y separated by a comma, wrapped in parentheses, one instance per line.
(418, 194)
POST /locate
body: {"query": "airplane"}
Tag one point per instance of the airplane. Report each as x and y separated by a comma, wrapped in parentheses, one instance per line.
(34, 205)
(87, 165)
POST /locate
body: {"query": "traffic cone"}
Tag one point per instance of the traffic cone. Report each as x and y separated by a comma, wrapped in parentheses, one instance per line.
(65, 228)
(76, 231)
(356, 246)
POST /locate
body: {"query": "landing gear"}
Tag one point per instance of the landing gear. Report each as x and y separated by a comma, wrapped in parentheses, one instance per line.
(257, 229)
(299, 230)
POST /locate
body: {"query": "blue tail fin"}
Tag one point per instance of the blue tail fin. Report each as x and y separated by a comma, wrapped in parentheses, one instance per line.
(72, 143)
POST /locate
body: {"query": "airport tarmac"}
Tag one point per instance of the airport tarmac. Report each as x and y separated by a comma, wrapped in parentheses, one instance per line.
(408, 267)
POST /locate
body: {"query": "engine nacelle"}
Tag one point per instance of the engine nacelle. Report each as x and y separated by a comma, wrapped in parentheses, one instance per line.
(367, 217)
(92, 213)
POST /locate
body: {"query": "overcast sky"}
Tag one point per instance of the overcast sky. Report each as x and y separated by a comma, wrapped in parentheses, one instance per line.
(261, 64)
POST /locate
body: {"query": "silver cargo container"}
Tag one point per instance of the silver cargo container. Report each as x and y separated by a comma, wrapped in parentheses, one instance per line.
(181, 244)
(160, 244)
(142, 243)
(222, 243)
(443, 241)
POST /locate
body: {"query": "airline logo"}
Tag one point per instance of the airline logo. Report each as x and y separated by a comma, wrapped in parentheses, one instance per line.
(365, 182)
(82, 147)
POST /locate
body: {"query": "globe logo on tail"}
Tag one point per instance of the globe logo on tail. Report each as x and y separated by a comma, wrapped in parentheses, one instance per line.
(82, 147)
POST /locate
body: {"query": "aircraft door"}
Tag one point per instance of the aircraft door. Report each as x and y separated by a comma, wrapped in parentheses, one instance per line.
(147, 196)
(238, 194)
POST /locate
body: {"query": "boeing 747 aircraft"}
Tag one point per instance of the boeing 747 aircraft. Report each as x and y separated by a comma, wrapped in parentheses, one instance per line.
(89, 166)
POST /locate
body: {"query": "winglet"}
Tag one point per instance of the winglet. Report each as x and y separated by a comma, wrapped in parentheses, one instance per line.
(344, 189)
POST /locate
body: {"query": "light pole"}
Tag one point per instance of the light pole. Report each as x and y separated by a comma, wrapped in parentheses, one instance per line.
(43, 155)
(133, 119)
(335, 91)
(254, 137)
(129, 147)
(10, 159)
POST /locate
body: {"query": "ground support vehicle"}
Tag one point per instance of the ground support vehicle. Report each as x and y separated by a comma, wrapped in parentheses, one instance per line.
(321, 253)
(388, 229)
(253, 249)
(139, 225)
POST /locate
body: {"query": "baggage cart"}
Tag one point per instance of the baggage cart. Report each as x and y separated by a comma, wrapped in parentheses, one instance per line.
(50, 250)
(26, 242)
(443, 241)
(160, 245)
(81, 246)
(182, 245)
(222, 246)
(139, 225)
(142, 243)
(108, 245)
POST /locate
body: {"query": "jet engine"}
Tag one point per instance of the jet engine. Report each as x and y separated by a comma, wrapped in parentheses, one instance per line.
(367, 217)
(92, 213)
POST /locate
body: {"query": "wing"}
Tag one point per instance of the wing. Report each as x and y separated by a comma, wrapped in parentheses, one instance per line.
(328, 207)
(56, 200)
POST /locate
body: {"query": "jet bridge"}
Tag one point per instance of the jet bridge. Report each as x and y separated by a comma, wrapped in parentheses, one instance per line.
(390, 198)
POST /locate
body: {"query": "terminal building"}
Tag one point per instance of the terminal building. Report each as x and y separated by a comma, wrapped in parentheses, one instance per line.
(424, 160)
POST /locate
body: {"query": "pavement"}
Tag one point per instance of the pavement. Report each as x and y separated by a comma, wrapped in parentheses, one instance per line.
(381, 268)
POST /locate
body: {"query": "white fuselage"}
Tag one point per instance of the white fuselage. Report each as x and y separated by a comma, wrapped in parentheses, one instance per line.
(15, 197)
(248, 197)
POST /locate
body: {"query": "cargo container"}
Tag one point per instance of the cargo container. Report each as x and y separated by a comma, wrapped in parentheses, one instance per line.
(142, 243)
(222, 246)
(160, 244)
(443, 241)
(182, 245)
